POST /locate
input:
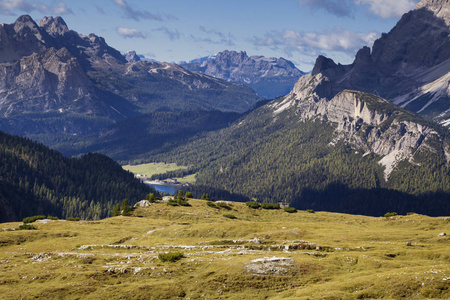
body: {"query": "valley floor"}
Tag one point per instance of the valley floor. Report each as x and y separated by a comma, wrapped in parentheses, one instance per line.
(262, 254)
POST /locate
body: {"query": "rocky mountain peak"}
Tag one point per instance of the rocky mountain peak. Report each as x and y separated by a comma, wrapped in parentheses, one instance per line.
(440, 8)
(322, 63)
(54, 26)
(131, 56)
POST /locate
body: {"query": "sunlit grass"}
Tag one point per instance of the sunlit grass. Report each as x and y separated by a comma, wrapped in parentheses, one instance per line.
(344, 256)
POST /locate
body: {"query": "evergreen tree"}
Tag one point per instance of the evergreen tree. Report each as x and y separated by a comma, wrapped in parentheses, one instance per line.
(116, 210)
(188, 195)
(126, 209)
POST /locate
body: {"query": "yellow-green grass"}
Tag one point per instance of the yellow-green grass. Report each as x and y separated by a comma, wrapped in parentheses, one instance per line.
(152, 168)
(347, 256)
(159, 168)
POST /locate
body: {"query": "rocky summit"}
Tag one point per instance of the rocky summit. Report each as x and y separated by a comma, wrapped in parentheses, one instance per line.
(54, 80)
(269, 77)
(408, 66)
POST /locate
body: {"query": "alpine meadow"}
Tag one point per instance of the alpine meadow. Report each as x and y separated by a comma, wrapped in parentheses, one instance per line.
(224, 150)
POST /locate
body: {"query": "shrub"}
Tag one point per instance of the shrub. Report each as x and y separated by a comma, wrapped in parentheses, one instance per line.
(290, 210)
(211, 204)
(223, 205)
(52, 218)
(253, 204)
(150, 197)
(230, 216)
(188, 195)
(178, 202)
(73, 219)
(311, 211)
(26, 227)
(390, 214)
(183, 202)
(170, 256)
(410, 213)
(33, 219)
(270, 205)
(205, 197)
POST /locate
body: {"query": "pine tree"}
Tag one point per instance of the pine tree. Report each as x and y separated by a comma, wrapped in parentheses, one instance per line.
(126, 209)
(116, 210)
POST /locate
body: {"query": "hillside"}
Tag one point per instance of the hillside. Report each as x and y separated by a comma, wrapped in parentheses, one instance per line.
(356, 153)
(262, 254)
(269, 77)
(36, 180)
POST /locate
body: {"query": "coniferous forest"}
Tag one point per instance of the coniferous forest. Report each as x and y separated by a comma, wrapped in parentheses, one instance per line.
(37, 180)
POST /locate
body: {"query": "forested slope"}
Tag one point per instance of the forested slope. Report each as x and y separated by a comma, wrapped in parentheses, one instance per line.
(37, 180)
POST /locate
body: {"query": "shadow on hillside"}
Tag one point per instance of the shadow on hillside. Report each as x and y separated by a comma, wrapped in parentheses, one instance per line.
(337, 197)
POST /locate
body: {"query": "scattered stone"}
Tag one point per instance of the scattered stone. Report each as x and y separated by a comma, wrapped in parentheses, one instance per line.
(255, 240)
(408, 244)
(167, 198)
(442, 234)
(270, 265)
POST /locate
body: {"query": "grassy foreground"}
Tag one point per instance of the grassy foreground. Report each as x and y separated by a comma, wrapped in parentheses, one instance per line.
(262, 254)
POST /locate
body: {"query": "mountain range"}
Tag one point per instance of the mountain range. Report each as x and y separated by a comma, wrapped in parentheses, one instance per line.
(409, 66)
(269, 77)
(55, 80)
(362, 138)
(333, 143)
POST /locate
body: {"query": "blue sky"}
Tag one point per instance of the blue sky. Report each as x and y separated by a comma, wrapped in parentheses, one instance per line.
(176, 30)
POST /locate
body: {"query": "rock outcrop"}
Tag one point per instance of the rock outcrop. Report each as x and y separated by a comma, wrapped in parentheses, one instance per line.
(366, 121)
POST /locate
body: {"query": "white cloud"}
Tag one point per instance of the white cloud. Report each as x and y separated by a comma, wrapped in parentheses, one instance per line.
(11, 7)
(130, 33)
(138, 14)
(61, 9)
(338, 39)
(388, 8)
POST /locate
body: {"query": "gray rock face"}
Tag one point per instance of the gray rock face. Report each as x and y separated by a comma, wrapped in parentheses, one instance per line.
(409, 66)
(364, 120)
(254, 71)
(131, 56)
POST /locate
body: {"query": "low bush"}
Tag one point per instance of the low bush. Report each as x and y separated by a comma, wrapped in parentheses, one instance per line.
(230, 216)
(52, 218)
(33, 219)
(26, 227)
(211, 204)
(253, 204)
(290, 210)
(311, 211)
(189, 195)
(73, 219)
(170, 256)
(390, 214)
(223, 205)
(410, 213)
(178, 202)
(270, 205)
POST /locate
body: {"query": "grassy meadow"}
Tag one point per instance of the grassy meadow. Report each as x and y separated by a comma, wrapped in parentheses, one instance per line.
(261, 254)
(150, 169)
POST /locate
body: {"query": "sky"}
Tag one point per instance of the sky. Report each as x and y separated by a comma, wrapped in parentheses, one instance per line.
(182, 30)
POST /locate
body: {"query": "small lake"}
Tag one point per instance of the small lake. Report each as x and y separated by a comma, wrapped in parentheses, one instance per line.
(170, 189)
